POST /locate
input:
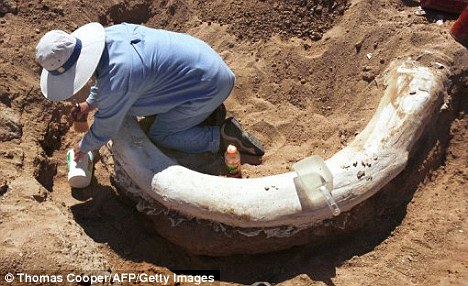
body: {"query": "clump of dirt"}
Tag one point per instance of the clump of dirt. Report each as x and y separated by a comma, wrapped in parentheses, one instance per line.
(261, 19)
(307, 82)
(132, 12)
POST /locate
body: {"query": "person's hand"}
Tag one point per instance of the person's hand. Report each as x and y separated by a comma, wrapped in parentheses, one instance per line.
(78, 154)
(79, 111)
(74, 112)
(84, 107)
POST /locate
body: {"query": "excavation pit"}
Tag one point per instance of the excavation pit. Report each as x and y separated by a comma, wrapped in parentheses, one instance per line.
(300, 90)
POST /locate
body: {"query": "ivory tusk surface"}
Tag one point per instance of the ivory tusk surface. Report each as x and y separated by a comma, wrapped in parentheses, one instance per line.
(376, 156)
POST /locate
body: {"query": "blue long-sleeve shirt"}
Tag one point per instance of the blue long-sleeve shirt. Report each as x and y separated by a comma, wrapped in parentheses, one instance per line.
(145, 71)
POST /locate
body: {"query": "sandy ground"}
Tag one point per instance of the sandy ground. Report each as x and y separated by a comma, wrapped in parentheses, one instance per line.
(307, 83)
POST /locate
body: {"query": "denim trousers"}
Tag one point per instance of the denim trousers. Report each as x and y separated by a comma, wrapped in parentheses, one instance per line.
(180, 129)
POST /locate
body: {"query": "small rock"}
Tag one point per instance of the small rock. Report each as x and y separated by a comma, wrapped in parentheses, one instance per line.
(368, 76)
(420, 12)
(316, 36)
(361, 174)
(3, 187)
(8, 6)
(10, 125)
(438, 65)
(358, 46)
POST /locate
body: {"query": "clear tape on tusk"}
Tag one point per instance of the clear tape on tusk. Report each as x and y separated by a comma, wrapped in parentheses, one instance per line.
(315, 176)
(330, 201)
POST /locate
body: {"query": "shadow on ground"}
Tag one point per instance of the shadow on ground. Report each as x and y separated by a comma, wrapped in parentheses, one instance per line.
(108, 218)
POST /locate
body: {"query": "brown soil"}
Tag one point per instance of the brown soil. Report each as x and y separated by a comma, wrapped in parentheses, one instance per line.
(308, 80)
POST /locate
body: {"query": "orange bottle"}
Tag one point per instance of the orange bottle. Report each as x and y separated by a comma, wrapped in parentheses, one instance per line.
(451, 6)
(459, 30)
(233, 162)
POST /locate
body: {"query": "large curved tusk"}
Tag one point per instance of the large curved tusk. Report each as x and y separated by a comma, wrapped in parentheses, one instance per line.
(376, 156)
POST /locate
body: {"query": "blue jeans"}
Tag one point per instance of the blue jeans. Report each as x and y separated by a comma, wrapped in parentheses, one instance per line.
(179, 127)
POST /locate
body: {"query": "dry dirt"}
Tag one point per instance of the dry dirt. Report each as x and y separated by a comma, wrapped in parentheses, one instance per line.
(307, 82)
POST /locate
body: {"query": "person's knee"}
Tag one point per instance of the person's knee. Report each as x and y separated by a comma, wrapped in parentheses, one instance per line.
(158, 137)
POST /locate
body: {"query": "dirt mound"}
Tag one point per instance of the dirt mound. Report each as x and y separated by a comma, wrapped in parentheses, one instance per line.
(255, 20)
(308, 80)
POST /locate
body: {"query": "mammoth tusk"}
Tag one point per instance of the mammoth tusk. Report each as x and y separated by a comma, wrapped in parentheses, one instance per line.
(376, 156)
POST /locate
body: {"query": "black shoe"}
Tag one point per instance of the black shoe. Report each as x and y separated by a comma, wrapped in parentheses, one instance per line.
(216, 118)
(232, 133)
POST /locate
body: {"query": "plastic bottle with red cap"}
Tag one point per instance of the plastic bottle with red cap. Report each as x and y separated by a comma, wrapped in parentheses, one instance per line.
(451, 6)
(459, 30)
(233, 162)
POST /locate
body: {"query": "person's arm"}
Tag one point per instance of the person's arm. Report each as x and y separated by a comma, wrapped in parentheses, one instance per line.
(107, 120)
(92, 97)
(83, 109)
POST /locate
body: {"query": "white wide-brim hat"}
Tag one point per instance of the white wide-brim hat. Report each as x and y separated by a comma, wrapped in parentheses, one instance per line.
(69, 60)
